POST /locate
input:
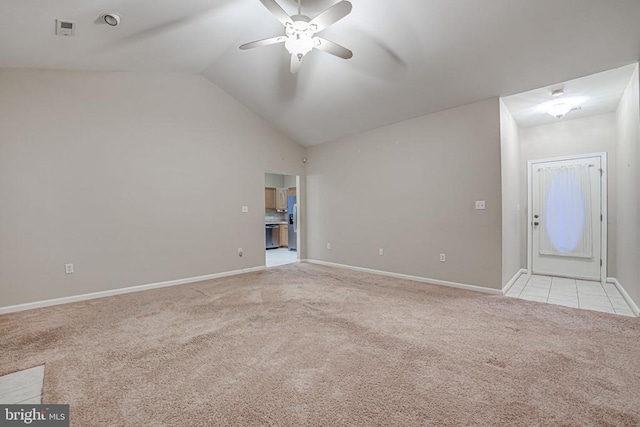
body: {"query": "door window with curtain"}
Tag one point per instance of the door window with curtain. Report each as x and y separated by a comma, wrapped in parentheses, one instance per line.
(566, 226)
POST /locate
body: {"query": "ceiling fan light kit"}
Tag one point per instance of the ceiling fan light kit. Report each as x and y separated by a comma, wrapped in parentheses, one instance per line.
(300, 40)
(300, 30)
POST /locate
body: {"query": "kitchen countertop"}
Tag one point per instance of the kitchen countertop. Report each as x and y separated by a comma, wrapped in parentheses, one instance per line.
(276, 223)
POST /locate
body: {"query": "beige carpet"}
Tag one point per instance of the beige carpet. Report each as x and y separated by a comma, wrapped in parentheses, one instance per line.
(310, 345)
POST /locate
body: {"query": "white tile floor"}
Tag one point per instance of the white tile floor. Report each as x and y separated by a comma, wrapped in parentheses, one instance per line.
(22, 387)
(571, 293)
(280, 256)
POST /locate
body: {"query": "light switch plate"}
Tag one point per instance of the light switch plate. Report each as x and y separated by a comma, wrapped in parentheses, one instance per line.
(245, 209)
(480, 205)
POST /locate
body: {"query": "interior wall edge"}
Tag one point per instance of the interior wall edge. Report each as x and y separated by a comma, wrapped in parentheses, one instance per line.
(632, 304)
(512, 260)
(514, 279)
(628, 193)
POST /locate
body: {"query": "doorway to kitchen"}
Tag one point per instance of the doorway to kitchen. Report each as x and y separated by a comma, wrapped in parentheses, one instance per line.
(281, 194)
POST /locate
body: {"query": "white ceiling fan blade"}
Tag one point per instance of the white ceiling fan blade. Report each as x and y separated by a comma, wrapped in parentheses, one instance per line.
(264, 42)
(277, 11)
(331, 15)
(333, 48)
(296, 63)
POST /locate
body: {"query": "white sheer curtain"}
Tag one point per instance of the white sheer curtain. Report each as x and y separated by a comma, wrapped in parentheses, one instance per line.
(565, 211)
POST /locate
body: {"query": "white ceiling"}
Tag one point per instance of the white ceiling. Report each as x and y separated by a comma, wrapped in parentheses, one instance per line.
(595, 94)
(410, 58)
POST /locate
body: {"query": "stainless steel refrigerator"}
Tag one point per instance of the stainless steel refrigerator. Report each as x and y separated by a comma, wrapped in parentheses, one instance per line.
(292, 210)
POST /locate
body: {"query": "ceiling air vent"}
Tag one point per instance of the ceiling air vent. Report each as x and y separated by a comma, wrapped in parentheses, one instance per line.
(65, 28)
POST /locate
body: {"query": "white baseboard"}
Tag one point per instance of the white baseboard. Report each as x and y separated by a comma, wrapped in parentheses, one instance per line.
(93, 295)
(513, 280)
(634, 307)
(408, 277)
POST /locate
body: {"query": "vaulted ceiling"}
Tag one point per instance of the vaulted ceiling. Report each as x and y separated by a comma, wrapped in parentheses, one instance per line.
(410, 58)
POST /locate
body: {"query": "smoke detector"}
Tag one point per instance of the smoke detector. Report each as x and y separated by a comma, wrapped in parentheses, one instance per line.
(65, 28)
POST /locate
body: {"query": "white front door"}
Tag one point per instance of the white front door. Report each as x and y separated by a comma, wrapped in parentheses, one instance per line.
(566, 217)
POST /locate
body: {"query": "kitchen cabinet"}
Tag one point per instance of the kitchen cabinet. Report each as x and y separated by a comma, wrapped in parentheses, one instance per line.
(281, 199)
(292, 191)
(270, 198)
(284, 235)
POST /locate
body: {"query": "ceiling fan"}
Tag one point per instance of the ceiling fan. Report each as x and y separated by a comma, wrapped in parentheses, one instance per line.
(300, 30)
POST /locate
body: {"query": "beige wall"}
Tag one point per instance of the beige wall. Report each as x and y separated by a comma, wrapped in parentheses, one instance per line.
(279, 181)
(126, 184)
(126, 175)
(592, 134)
(289, 181)
(628, 174)
(410, 188)
(273, 180)
(511, 208)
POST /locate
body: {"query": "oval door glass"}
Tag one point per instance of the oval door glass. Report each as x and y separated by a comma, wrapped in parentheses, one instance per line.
(565, 213)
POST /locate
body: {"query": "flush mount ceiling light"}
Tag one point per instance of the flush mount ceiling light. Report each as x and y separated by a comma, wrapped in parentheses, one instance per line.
(559, 110)
(300, 30)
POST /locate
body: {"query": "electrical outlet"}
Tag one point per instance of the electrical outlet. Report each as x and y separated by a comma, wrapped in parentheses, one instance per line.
(329, 246)
(240, 252)
(68, 268)
(381, 251)
(245, 209)
(480, 205)
(443, 257)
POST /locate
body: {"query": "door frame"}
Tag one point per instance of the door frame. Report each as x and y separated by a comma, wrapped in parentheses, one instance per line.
(298, 199)
(603, 207)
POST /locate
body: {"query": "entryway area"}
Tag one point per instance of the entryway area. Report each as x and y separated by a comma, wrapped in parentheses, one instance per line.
(281, 219)
(566, 234)
(563, 209)
(589, 295)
